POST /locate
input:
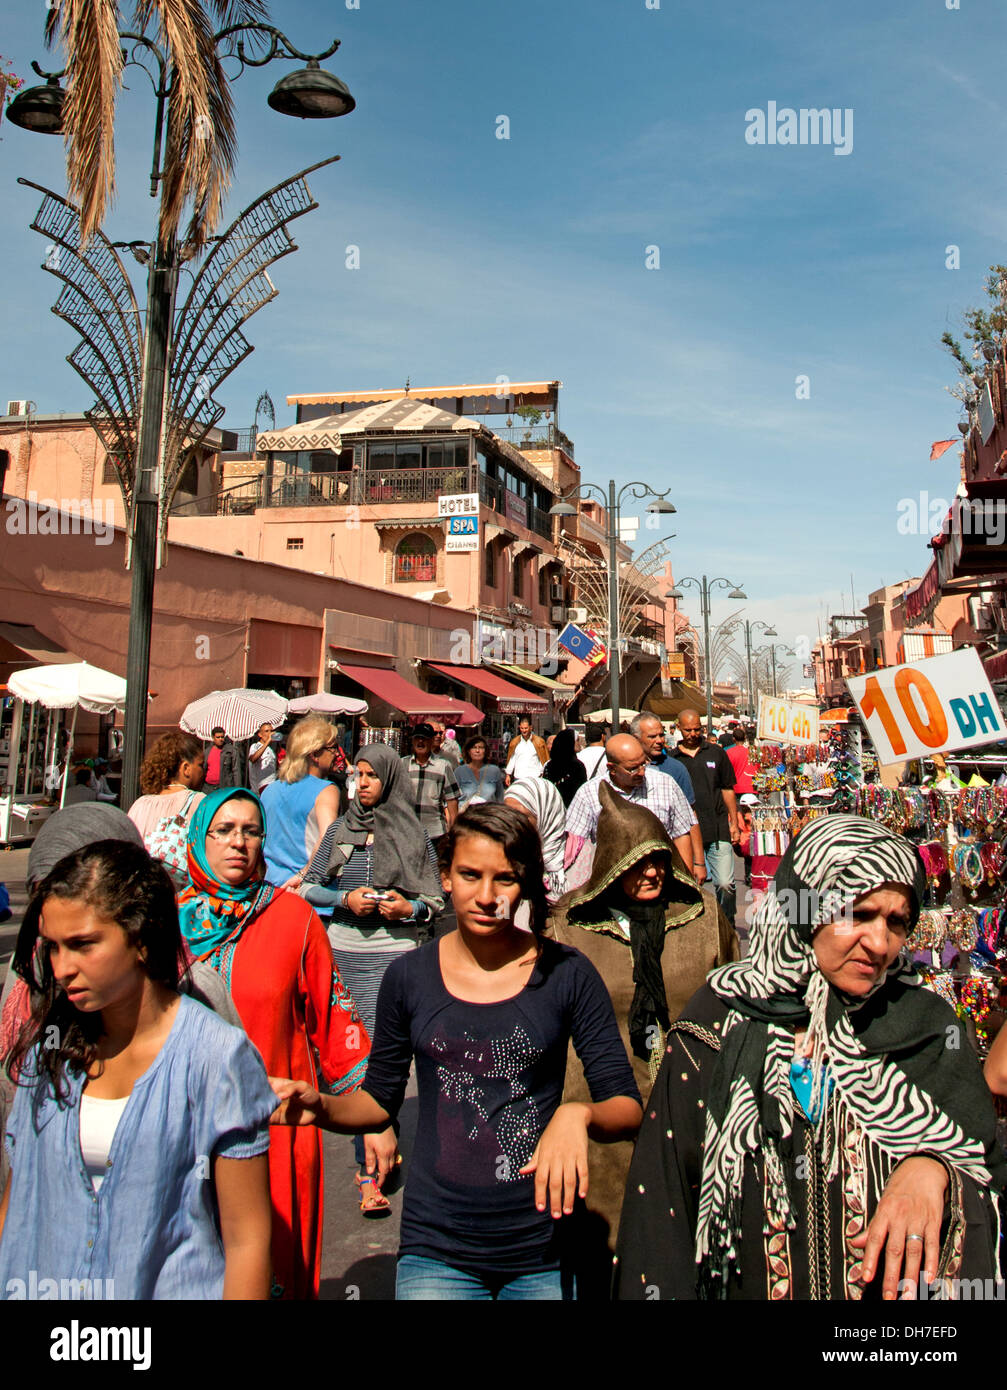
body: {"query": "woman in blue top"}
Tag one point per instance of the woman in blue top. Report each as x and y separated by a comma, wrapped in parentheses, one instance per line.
(302, 803)
(488, 1011)
(478, 780)
(139, 1134)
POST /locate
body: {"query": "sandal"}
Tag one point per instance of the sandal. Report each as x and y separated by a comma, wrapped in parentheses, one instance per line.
(373, 1202)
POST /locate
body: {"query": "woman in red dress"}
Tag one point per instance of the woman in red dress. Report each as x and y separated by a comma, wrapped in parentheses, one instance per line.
(272, 952)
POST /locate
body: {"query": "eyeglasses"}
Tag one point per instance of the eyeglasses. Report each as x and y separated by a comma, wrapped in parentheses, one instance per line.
(325, 748)
(223, 833)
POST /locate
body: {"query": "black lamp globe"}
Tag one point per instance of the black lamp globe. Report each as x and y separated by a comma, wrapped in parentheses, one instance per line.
(39, 109)
(311, 93)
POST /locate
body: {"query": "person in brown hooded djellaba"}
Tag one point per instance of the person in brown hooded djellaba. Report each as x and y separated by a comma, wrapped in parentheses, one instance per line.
(653, 936)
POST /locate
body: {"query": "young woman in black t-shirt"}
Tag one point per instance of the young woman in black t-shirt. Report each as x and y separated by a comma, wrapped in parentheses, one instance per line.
(487, 1012)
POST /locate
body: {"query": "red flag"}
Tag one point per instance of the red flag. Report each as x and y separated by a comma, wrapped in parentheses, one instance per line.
(941, 447)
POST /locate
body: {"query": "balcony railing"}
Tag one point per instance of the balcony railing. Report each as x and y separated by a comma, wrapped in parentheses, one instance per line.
(526, 437)
(359, 488)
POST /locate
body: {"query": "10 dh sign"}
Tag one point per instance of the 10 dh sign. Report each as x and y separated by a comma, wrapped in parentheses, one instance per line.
(936, 705)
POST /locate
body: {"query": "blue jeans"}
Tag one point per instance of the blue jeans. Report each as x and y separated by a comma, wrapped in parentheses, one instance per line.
(720, 869)
(418, 1278)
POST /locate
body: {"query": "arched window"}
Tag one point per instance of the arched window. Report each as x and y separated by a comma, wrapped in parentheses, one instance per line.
(415, 559)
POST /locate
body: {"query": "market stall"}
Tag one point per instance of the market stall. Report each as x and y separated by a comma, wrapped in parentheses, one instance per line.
(37, 745)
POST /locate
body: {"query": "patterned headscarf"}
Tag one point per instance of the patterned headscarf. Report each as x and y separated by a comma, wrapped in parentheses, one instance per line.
(210, 913)
(884, 1110)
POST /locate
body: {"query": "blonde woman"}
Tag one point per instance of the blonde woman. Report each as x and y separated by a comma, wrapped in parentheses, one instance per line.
(302, 803)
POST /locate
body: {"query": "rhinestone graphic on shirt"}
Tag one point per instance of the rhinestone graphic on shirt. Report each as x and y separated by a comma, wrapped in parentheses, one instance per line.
(488, 1078)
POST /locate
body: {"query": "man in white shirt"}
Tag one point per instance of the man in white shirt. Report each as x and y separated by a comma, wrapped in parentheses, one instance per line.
(593, 755)
(526, 755)
(262, 760)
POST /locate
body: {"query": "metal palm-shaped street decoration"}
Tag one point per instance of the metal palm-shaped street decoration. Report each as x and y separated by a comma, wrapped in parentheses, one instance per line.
(206, 343)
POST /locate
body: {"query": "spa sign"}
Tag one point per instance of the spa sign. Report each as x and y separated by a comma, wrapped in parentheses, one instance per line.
(931, 706)
(786, 721)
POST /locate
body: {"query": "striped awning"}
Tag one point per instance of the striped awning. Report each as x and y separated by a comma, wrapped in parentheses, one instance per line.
(331, 432)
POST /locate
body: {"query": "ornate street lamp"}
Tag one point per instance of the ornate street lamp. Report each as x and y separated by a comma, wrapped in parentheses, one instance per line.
(705, 586)
(154, 373)
(749, 629)
(613, 505)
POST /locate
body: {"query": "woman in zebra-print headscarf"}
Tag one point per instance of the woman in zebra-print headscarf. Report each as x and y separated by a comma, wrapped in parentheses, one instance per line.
(820, 1127)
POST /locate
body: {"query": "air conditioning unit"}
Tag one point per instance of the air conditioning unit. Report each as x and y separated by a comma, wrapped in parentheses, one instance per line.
(558, 615)
(556, 593)
(577, 615)
(18, 407)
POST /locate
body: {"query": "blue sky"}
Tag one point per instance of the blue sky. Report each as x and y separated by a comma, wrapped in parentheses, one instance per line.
(525, 257)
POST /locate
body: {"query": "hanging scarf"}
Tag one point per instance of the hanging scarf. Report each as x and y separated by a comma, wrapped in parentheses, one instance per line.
(401, 854)
(210, 913)
(889, 1109)
(628, 832)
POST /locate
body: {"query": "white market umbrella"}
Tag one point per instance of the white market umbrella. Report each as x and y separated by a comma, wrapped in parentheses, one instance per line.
(604, 716)
(240, 713)
(323, 703)
(75, 685)
(70, 686)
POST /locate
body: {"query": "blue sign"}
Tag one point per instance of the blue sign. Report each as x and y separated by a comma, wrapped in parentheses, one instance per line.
(463, 526)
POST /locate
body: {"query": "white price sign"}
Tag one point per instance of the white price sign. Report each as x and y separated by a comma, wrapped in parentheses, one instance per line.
(929, 706)
(786, 721)
(459, 504)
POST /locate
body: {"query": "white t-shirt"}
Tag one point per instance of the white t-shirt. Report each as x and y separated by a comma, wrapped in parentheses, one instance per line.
(593, 758)
(99, 1120)
(263, 770)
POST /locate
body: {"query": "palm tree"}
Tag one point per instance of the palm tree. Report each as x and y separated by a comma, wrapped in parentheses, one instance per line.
(201, 142)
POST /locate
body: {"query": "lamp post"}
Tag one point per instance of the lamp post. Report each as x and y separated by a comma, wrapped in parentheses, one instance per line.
(613, 506)
(705, 586)
(309, 93)
(749, 629)
(773, 649)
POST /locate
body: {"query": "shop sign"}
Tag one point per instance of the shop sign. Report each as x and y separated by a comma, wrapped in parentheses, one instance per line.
(458, 504)
(786, 721)
(674, 667)
(515, 508)
(463, 533)
(935, 705)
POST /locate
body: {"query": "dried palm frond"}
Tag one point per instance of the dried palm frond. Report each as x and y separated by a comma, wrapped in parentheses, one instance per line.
(89, 33)
(200, 145)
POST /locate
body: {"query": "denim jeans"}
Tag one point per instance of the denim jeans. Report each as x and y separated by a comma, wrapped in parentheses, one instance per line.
(418, 1278)
(720, 870)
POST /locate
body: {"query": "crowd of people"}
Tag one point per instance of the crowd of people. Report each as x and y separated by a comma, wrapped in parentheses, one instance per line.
(617, 1096)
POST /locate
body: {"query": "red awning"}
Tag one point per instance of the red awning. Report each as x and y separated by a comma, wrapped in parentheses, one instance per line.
(510, 699)
(401, 694)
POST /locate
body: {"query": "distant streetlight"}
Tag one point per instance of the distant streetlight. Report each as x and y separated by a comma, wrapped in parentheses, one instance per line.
(705, 585)
(613, 504)
(749, 629)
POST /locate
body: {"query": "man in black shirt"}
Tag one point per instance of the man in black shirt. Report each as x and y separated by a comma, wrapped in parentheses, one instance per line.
(716, 805)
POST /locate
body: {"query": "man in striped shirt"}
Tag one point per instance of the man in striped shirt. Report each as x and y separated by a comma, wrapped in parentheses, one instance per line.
(435, 790)
(629, 772)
